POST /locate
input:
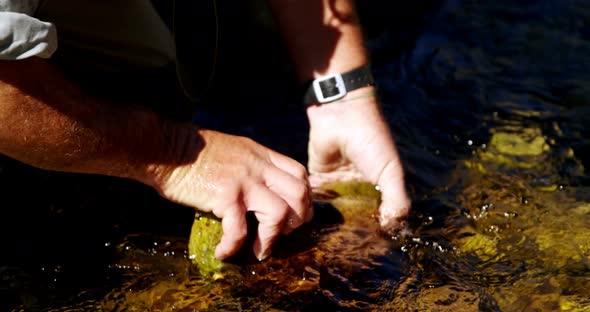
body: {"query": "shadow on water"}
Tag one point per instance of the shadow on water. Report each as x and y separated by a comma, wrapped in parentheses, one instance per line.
(489, 103)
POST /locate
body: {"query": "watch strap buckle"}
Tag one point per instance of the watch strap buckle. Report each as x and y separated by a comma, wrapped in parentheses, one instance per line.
(334, 86)
(329, 88)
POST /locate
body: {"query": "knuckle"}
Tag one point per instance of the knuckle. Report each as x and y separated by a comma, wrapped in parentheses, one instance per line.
(299, 208)
(281, 214)
(300, 172)
(301, 195)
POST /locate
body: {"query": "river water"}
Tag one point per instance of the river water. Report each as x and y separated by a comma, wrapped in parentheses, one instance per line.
(490, 106)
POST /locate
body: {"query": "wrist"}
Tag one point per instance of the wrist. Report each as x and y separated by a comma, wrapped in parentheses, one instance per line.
(171, 145)
(336, 85)
(362, 101)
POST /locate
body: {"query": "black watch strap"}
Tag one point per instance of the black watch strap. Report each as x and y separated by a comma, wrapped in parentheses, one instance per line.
(335, 86)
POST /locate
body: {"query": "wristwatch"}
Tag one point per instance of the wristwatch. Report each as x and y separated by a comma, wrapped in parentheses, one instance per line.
(334, 86)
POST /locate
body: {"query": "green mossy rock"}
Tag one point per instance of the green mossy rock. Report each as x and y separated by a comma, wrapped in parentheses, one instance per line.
(206, 233)
(355, 198)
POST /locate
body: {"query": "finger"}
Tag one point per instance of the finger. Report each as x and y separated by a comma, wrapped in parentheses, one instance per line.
(395, 204)
(299, 172)
(235, 229)
(271, 212)
(289, 165)
(346, 172)
(295, 192)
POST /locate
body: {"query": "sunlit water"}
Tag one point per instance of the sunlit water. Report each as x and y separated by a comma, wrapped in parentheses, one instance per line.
(490, 105)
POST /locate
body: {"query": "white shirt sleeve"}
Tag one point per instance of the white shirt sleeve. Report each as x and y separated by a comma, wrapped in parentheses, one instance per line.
(22, 35)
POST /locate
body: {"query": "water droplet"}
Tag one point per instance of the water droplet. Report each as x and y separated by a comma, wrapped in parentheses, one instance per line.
(510, 214)
(469, 142)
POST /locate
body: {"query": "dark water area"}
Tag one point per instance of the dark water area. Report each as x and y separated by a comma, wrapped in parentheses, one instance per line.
(489, 103)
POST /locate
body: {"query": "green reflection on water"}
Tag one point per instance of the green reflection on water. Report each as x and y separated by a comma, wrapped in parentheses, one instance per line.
(540, 227)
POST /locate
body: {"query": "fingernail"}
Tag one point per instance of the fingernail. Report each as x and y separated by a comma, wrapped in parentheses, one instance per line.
(263, 255)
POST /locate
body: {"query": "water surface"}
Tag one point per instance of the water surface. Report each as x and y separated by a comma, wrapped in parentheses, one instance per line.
(490, 106)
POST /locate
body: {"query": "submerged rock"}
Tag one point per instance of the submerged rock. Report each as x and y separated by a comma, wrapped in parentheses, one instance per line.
(523, 142)
(519, 215)
(513, 147)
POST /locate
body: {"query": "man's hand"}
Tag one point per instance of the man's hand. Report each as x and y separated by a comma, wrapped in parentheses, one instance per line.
(231, 175)
(350, 140)
(48, 122)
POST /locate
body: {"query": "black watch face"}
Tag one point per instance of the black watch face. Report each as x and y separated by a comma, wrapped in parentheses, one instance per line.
(329, 87)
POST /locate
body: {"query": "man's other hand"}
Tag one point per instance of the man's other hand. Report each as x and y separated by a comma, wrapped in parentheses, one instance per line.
(350, 140)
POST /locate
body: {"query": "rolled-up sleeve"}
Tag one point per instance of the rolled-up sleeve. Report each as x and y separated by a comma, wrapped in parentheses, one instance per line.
(22, 35)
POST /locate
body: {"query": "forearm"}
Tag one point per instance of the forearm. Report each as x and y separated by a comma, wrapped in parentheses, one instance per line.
(47, 122)
(322, 35)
